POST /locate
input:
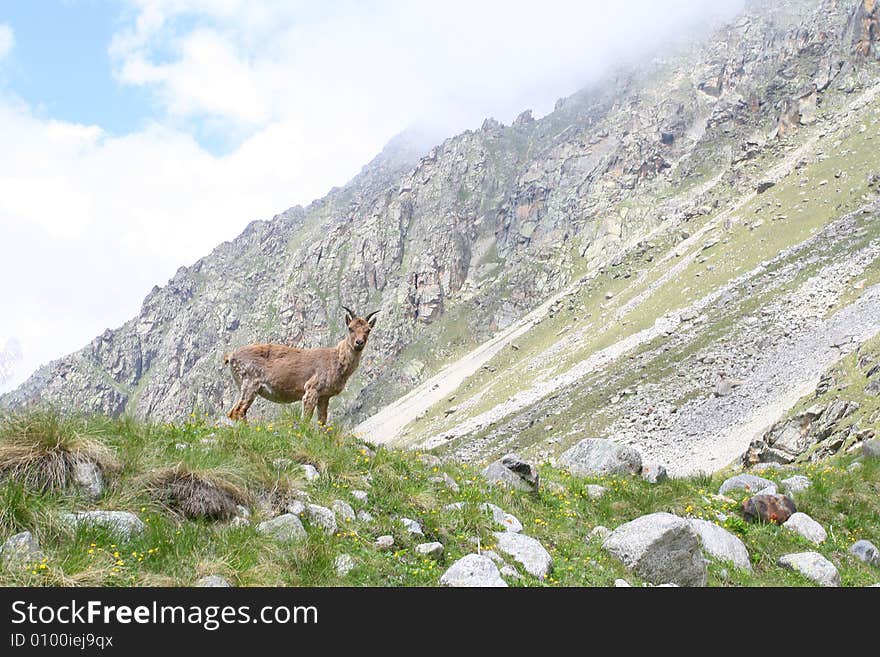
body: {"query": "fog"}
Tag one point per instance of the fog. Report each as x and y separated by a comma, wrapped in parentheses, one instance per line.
(259, 106)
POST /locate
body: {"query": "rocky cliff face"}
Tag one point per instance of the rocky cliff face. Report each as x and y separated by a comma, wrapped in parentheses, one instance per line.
(457, 241)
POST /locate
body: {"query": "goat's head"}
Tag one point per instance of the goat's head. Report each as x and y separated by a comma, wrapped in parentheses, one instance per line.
(359, 328)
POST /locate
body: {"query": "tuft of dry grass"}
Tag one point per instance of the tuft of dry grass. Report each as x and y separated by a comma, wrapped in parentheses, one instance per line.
(42, 451)
(212, 494)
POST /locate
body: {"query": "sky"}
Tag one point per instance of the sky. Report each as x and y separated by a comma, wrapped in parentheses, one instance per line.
(137, 135)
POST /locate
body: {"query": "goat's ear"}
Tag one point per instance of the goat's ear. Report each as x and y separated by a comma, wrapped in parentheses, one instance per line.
(348, 319)
(371, 319)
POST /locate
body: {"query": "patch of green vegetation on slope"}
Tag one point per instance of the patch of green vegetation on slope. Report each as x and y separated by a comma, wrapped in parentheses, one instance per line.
(177, 551)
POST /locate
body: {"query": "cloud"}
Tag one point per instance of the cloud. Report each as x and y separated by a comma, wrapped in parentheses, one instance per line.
(7, 40)
(301, 94)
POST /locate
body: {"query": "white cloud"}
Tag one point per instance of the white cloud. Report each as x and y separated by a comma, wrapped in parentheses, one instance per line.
(307, 91)
(7, 40)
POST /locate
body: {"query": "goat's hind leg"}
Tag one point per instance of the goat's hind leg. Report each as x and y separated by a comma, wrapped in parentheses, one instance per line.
(323, 405)
(247, 395)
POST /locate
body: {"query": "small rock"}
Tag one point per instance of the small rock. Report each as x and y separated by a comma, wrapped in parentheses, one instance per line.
(286, 527)
(454, 506)
(593, 457)
(430, 460)
(769, 508)
(344, 565)
(87, 476)
(385, 542)
(412, 526)
(213, 581)
(311, 472)
(599, 532)
(595, 491)
(660, 547)
(20, 551)
(622, 584)
(866, 551)
(365, 516)
(238, 521)
(433, 550)
(492, 554)
(855, 466)
(343, 510)
(359, 495)
(796, 484)
(764, 185)
(473, 570)
(513, 472)
(871, 448)
(721, 544)
(447, 481)
(654, 473)
(509, 571)
(296, 507)
(812, 565)
(527, 550)
(806, 527)
(321, 516)
(123, 523)
(510, 522)
(747, 482)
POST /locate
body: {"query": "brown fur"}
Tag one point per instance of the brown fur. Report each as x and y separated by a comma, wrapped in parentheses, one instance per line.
(286, 374)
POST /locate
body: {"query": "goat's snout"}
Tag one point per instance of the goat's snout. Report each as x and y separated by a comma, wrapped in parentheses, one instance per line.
(359, 343)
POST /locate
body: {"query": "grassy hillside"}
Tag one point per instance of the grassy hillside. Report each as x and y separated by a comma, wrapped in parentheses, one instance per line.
(244, 462)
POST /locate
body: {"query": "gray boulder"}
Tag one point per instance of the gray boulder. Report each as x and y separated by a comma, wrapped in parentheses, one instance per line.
(796, 484)
(87, 476)
(385, 542)
(654, 473)
(123, 523)
(286, 527)
(20, 551)
(473, 570)
(866, 551)
(527, 550)
(746, 482)
(213, 581)
(344, 564)
(660, 548)
(343, 510)
(720, 544)
(513, 472)
(594, 457)
(311, 472)
(322, 517)
(812, 565)
(871, 448)
(595, 491)
(412, 526)
(433, 550)
(510, 522)
(806, 527)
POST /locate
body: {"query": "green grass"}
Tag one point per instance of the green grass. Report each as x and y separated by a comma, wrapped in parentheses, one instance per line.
(176, 551)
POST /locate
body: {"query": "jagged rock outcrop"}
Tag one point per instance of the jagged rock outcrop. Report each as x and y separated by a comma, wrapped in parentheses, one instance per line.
(455, 241)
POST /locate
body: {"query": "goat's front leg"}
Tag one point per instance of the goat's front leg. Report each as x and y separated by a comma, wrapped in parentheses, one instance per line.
(246, 398)
(323, 406)
(310, 400)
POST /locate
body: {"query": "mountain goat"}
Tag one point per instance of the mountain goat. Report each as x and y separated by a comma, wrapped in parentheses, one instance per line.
(285, 374)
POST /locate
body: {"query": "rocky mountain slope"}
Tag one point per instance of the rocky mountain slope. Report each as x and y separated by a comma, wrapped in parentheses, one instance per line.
(712, 210)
